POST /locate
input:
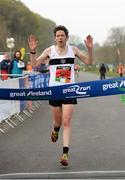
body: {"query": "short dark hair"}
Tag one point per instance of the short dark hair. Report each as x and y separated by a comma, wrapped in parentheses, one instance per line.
(60, 27)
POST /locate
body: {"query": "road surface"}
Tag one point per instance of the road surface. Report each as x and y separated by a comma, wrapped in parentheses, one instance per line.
(97, 141)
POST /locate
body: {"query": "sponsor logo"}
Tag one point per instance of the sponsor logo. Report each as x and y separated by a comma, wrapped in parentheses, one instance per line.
(39, 93)
(122, 84)
(63, 61)
(30, 93)
(113, 85)
(77, 89)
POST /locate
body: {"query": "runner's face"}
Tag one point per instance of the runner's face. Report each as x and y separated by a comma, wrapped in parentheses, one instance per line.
(61, 38)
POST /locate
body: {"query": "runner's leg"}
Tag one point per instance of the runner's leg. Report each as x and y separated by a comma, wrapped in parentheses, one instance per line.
(57, 121)
(57, 116)
(67, 110)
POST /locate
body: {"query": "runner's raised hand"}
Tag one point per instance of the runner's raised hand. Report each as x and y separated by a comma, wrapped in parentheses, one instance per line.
(89, 41)
(32, 42)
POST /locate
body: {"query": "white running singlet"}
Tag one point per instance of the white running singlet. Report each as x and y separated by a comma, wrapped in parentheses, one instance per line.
(61, 67)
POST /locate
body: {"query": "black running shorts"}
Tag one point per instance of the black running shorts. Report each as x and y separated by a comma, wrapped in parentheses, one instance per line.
(57, 103)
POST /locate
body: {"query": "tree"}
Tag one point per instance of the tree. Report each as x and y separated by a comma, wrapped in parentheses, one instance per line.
(116, 40)
(17, 21)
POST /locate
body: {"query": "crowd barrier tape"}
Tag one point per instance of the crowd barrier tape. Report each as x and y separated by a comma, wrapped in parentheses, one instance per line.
(95, 88)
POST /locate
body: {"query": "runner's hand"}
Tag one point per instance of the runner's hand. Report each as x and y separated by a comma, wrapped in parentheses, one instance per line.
(89, 42)
(32, 42)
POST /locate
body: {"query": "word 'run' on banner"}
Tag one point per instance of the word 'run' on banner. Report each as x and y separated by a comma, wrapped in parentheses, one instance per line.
(76, 90)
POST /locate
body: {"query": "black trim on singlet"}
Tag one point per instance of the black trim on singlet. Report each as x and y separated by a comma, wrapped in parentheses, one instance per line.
(61, 61)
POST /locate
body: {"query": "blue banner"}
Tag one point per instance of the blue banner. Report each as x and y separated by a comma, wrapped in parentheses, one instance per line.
(22, 84)
(76, 90)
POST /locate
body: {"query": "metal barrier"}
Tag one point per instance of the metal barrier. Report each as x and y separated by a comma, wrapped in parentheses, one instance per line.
(20, 108)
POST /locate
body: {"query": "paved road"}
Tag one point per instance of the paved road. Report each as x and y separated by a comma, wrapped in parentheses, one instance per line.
(97, 141)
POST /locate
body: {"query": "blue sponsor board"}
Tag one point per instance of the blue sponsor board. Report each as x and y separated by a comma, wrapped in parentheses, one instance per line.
(22, 85)
(31, 81)
(39, 80)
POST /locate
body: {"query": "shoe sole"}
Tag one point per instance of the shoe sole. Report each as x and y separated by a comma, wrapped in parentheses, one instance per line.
(64, 163)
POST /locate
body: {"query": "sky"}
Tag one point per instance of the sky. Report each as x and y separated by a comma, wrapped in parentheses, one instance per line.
(82, 17)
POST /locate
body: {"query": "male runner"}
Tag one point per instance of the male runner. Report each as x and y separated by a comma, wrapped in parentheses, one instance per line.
(61, 65)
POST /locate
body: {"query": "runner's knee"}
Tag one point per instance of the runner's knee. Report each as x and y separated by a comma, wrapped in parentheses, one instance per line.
(66, 123)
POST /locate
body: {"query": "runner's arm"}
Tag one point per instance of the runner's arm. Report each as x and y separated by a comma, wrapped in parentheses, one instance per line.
(87, 59)
(36, 61)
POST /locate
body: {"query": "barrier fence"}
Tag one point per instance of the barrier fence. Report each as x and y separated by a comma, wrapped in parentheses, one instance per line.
(12, 108)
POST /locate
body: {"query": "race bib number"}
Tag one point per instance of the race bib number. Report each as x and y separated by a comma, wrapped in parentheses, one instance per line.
(63, 74)
(21, 64)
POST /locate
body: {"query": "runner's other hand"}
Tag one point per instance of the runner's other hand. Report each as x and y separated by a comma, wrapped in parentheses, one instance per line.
(89, 41)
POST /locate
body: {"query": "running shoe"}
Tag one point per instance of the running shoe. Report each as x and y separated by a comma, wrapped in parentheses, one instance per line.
(54, 136)
(64, 159)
